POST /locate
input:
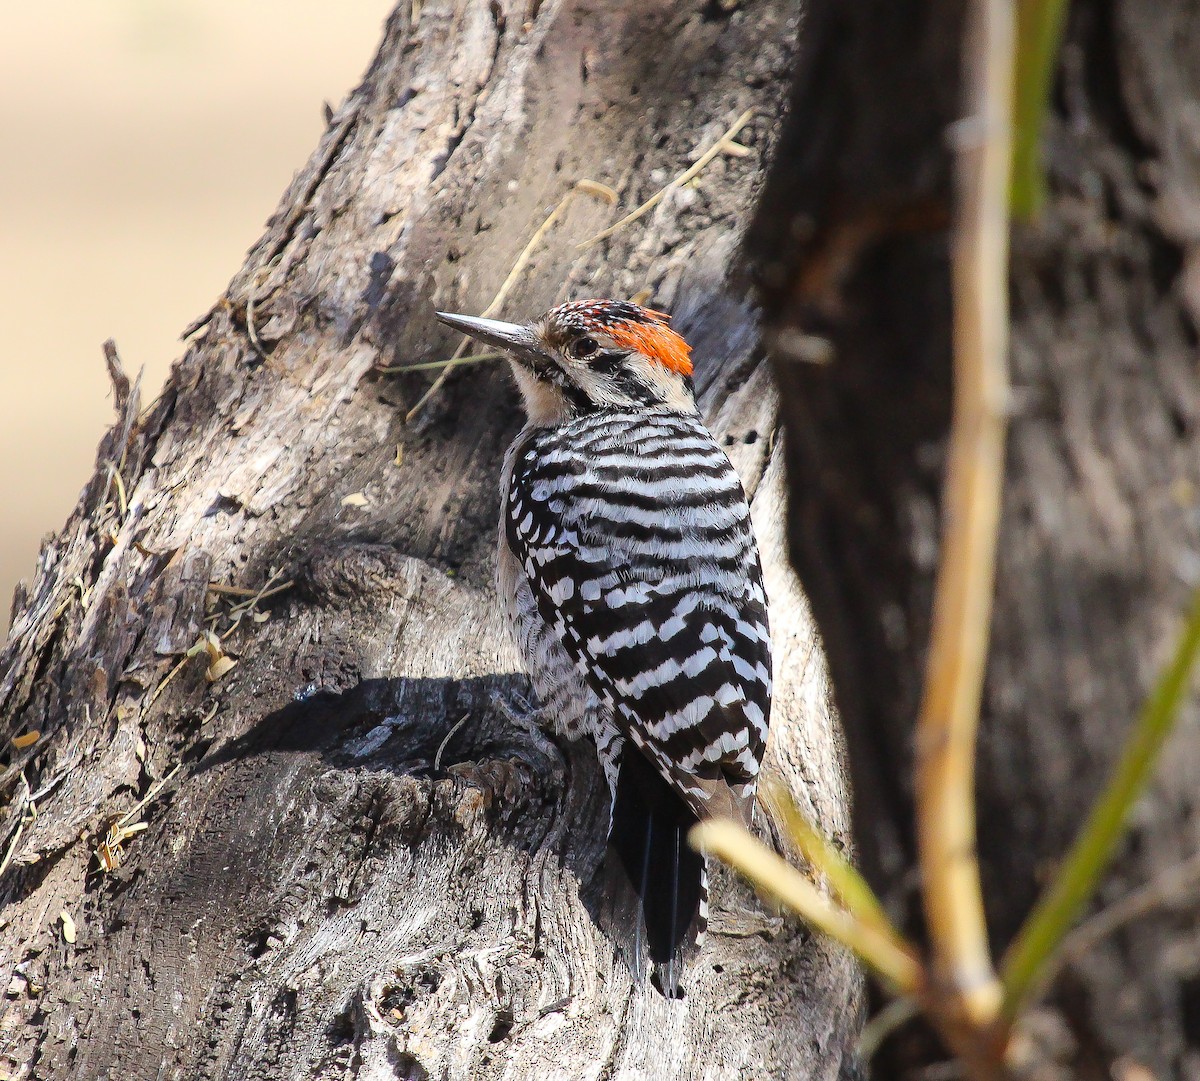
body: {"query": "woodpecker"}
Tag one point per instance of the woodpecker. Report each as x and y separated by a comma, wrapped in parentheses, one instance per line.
(630, 576)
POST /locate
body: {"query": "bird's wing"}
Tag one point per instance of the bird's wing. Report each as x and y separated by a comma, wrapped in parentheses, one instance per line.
(640, 553)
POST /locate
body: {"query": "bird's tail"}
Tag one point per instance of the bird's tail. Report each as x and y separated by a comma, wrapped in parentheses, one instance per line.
(650, 825)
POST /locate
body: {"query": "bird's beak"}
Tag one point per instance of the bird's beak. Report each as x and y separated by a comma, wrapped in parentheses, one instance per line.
(512, 338)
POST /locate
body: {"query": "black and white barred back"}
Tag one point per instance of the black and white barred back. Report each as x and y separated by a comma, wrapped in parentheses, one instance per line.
(639, 605)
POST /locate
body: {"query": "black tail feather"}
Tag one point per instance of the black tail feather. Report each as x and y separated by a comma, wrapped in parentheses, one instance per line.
(649, 838)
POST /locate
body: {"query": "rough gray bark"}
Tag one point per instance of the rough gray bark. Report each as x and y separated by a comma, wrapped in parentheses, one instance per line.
(340, 881)
(1099, 540)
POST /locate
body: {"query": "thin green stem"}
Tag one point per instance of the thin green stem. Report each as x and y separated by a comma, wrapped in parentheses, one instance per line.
(896, 1013)
(1039, 31)
(1028, 959)
(896, 966)
(847, 885)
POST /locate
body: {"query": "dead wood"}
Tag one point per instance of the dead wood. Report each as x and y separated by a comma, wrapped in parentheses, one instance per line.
(338, 879)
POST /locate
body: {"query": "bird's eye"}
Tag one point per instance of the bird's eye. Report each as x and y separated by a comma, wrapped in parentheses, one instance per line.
(584, 347)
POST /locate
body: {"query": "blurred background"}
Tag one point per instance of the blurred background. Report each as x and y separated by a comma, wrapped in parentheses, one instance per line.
(145, 144)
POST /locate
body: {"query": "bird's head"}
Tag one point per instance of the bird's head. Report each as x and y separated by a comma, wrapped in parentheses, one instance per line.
(590, 355)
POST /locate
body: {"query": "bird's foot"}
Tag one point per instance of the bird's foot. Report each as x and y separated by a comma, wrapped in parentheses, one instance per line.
(532, 721)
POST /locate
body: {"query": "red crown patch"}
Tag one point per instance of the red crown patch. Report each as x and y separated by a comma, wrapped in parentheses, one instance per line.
(629, 325)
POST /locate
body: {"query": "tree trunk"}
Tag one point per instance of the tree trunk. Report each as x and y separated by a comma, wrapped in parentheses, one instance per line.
(339, 878)
(1099, 538)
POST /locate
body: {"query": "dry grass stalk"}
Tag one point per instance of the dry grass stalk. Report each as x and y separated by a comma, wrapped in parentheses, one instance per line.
(272, 587)
(110, 852)
(437, 758)
(28, 814)
(964, 979)
(581, 187)
(724, 144)
(435, 365)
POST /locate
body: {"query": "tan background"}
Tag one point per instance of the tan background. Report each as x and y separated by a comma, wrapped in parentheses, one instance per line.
(144, 143)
